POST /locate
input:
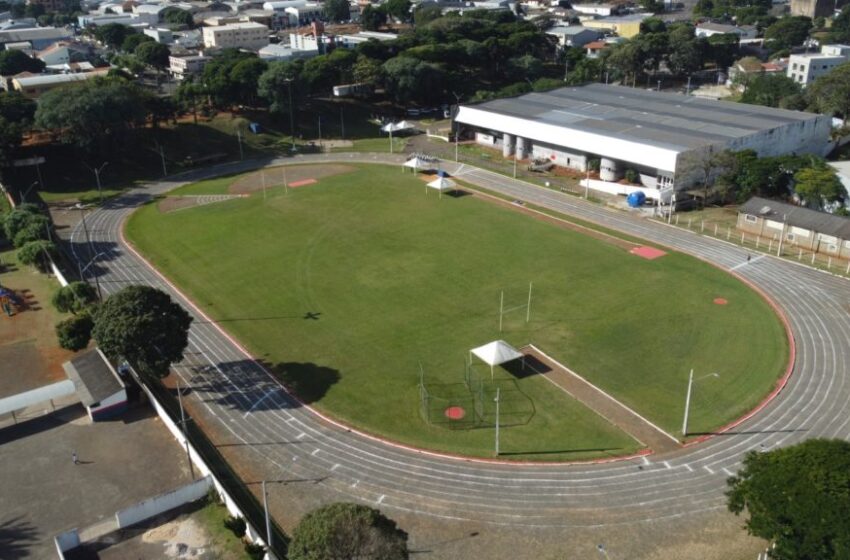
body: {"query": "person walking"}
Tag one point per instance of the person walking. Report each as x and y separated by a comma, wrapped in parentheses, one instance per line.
(749, 256)
(75, 458)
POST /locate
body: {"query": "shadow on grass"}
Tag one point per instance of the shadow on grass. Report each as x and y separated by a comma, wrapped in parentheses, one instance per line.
(245, 386)
(16, 536)
(532, 366)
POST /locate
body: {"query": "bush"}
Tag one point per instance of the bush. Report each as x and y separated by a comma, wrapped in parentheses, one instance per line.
(594, 164)
(74, 333)
(632, 176)
(74, 298)
(24, 224)
(236, 524)
(36, 253)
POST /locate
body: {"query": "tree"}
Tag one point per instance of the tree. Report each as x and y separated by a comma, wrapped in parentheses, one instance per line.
(112, 34)
(398, 9)
(686, 51)
(769, 89)
(840, 29)
(74, 298)
(367, 70)
(337, 10)
(96, 114)
(343, 531)
(16, 108)
(654, 6)
(372, 19)
(13, 61)
(74, 333)
(798, 498)
(132, 41)
(37, 253)
(788, 32)
(177, 16)
(153, 54)
(144, 326)
(831, 92)
(722, 49)
(427, 13)
(24, 224)
(705, 166)
(245, 76)
(275, 83)
(818, 184)
(526, 67)
(410, 80)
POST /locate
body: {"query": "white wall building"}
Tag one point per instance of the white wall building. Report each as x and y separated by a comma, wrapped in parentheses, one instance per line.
(806, 68)
(573, 35)
(249, 35)
(352, 40)
(303, 15)
(662, 136)
(182, 66)
(603, 10)
(160, 35)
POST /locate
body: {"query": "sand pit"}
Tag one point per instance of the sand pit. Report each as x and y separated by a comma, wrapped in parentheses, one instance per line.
(294, 174)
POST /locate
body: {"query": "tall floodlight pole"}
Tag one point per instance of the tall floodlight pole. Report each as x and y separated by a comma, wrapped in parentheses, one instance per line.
(183, 428)
(239, 139)
(498, 394)
(291, 118)
(391, 136)
(515, 166)
(602, 552)
(586, 180)
(501, 309)
(782, 236)
(528, 306)
(96, 171)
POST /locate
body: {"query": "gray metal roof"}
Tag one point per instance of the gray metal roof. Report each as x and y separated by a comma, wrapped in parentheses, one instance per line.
(666, 120)
(93, 376)
(797, 216)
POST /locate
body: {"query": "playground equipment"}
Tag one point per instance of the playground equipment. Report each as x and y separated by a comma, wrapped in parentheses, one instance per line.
(9, 302)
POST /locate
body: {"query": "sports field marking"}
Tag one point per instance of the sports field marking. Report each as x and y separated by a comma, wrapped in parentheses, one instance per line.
(381, 499)
(728, 472)
(706, 467)
(305, 182)
(301, 435)
(649, 253)
(687, 466)
(314, 452)
(261, 399)
(666, 464)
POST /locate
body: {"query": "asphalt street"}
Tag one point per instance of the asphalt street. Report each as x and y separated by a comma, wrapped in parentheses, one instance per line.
(293, 441)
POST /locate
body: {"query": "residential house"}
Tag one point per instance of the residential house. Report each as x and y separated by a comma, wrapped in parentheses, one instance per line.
(573, 35)
(807, 67)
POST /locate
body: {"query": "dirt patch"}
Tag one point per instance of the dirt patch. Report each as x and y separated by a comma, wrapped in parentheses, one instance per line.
(648, 253)
(274, 177)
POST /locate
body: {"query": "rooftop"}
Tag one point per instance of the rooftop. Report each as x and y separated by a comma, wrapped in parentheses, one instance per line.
(569, 30)
(800, 217)
(665, 120)
(93, 376)
(46, 79)
(723, 28)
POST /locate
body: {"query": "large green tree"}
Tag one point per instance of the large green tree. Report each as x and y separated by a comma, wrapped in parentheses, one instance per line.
(409, 80)
(372, 18)
(113, 34)
(345, 531)
(788, 32)
(797, 498)
(337, 10)
(818, 184)
(96, 115)
(144, 326)
(13, 61)
(153, 54)
(74, 333)
(177, 16)
(74, 298)
(769, 89)
(830, 93)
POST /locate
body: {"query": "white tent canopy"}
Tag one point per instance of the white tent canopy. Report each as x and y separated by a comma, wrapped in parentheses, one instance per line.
(395, 127)
(421, 161)
(441, 184)
(496, 353)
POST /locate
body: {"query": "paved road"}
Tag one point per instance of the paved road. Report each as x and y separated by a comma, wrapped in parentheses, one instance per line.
(292, 441)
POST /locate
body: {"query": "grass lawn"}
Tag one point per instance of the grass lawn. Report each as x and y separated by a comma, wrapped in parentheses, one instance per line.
(221, 539)
(392, 277)
(374, 145)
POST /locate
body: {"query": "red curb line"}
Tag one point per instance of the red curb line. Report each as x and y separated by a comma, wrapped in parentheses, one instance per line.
(348, 428)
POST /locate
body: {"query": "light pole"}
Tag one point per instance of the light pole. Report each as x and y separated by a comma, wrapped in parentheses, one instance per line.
(291, 118)
(96, 279)
(268, 520)
(239, 139)
(96, 171)
(82, 210)
(586, 179)
(498, 394)
(26, 192)
(782, 236)
(183, 427)
(688, 399)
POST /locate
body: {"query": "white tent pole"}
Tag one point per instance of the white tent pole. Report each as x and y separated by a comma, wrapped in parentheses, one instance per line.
(501, 307)
(528, 310)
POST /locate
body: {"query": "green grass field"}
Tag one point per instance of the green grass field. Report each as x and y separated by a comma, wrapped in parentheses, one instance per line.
(393, 277)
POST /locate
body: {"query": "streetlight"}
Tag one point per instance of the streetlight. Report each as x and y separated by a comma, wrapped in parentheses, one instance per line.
(496, 400)
(96, 171)
(291, 118)
(24, 196)
(96, 279)
(81, 208)
(688, 399)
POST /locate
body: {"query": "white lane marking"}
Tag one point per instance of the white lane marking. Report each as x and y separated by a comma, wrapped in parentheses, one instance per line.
(335, 467)
(264, 397)
(727, 471)
(755, 260)
(356, 482)
(687, 466)
(381, 499)
(646, 461)
(301, 435)
(314, 452)
(666, 464)
(708, 469)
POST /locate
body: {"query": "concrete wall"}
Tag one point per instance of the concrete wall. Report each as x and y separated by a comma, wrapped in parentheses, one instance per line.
(559, 156)
(109, 407)
(66, 541)
(164, 502)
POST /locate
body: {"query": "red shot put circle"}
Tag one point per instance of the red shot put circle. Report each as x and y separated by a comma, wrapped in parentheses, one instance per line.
(455, 413)
(721, 301)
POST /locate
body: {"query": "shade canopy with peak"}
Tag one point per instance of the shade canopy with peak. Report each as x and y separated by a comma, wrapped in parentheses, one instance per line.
(496, 353)
(395, 127)
(421, 162)
(441, 184)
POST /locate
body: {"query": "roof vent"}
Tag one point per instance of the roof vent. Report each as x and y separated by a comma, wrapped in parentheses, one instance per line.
(764, 210)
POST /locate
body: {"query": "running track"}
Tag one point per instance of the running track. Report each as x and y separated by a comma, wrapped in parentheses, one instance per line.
(248, 404)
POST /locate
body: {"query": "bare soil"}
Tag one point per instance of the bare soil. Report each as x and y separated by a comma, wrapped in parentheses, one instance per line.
(274, 177)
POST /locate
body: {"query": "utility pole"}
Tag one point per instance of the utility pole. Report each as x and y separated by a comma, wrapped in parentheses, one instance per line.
(183, 428)
(498, 394)
(688, 88)
(291, 118)
(162, 158)
(239, 139)
(782, 236)
(268, 519)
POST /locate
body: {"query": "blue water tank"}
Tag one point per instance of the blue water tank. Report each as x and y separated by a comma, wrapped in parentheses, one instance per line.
(636, 199)
(255, 127)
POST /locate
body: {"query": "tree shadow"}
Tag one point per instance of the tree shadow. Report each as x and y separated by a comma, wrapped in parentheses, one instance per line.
(244, 385)
(16, 536)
